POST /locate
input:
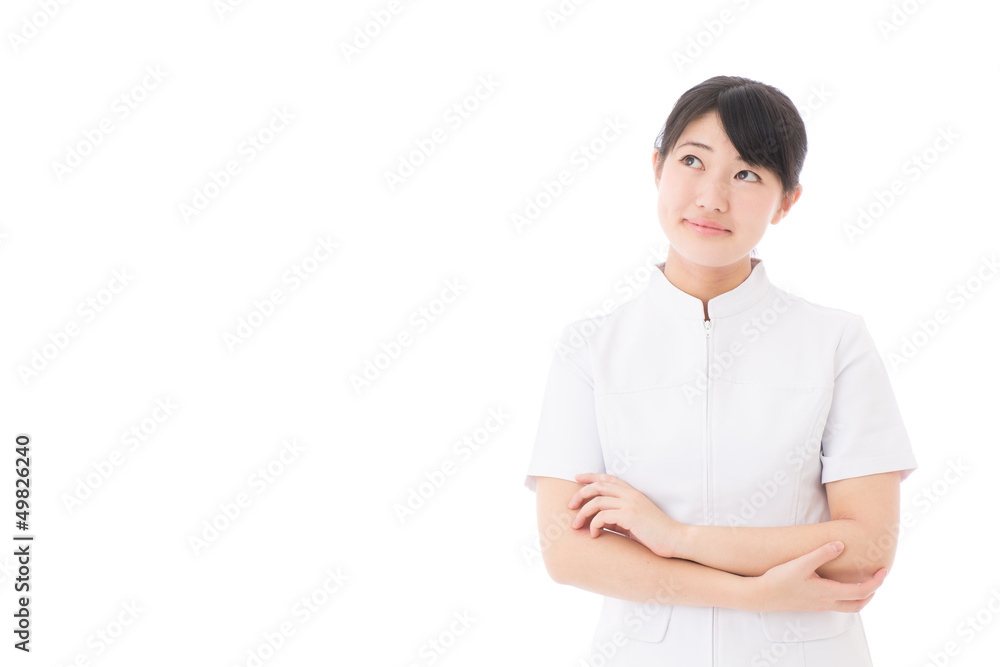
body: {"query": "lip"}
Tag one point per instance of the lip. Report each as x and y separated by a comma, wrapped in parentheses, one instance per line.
(705, 227)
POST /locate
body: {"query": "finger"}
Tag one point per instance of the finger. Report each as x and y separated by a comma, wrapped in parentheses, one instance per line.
(581, 495)
(823, 554)
(593, 507)
(618, 529)
(852, 605)
(582, 478)
(593, 490)
(605, 477)
(602, 519)
(868, 588)
(591, 477)
(589, 490)
(859, 591)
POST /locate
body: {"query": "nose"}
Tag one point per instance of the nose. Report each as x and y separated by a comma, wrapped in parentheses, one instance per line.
(713, 194)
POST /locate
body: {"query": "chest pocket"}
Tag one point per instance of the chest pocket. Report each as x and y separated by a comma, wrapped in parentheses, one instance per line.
(803, 626)
(636, 620)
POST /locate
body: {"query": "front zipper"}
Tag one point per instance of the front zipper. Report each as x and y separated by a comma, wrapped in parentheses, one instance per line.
(709, 507)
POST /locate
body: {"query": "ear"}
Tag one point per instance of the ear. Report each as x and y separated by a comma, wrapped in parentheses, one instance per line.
(786, 204)
(656, 172)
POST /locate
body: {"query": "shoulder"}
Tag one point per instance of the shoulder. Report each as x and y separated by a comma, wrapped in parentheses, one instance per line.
(844, 333)
(633, 312)
(810, 314)
(590, 338)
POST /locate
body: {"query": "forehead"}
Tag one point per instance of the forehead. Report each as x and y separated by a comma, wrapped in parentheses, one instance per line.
(707, 134)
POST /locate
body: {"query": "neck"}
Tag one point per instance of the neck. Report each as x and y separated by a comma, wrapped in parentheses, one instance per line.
(704, 282)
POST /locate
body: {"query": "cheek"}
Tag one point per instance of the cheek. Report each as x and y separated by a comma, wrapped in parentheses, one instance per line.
(755, 204)
(678, 183)
(672, 189)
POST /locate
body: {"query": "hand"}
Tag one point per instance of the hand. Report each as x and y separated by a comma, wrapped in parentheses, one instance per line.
(795, 586)
(617, 506)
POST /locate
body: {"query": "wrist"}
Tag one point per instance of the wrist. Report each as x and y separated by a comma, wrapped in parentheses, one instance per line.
(670, 539)
(685, 538)
(753, 594)
(750, 594)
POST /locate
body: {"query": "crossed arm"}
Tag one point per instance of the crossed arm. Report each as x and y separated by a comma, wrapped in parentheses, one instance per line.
(619, 567)
(714, 565)
(864, 515)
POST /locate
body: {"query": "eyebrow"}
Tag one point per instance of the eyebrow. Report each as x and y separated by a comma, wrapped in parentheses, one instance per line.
(708, 148)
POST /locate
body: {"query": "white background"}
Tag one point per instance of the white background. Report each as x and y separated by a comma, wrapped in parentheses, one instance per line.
(872, 101)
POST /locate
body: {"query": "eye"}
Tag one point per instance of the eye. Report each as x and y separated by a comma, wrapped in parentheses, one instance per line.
(756, 178)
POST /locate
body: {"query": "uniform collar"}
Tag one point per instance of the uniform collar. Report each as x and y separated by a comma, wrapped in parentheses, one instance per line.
(736, 300)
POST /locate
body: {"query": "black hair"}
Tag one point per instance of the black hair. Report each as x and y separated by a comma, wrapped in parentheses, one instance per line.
(760, 121)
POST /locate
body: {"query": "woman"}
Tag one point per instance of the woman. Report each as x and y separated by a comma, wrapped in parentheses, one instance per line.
(735, 450)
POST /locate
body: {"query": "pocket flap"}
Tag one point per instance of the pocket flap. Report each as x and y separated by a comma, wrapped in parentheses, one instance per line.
(645, 621)
(801, 626)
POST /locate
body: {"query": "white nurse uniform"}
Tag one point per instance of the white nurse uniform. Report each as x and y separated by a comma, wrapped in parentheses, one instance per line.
(736, 420)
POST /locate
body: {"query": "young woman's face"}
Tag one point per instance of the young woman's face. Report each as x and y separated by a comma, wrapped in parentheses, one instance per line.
(710, 185)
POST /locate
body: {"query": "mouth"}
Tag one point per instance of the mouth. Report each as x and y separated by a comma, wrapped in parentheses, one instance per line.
(705, 227)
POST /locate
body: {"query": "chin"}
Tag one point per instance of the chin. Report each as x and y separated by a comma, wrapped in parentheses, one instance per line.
(707, 256)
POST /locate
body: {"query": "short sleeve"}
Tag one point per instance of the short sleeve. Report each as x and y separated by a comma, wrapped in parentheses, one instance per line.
(864, 433)
(567, 441)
